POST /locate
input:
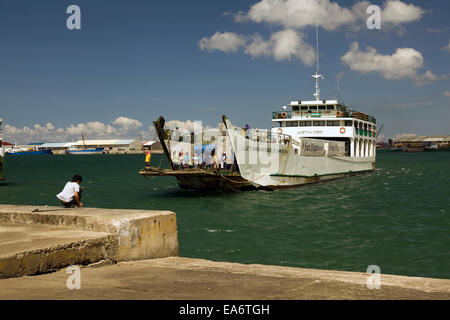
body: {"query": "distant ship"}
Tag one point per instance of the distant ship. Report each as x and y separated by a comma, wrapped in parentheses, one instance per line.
(28, 152)
(84, 150)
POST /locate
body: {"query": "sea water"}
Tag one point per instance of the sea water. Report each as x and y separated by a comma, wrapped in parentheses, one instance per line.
(397, 217)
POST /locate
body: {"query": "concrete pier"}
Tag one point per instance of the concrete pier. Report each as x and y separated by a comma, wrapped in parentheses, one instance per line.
(132, 254)
(192, 279)
(41, 239)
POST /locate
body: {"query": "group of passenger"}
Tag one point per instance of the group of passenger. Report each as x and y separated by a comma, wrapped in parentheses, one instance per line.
(203, 161)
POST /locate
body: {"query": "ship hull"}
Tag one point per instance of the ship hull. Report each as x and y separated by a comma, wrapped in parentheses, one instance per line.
(214, 183)
(220, 184)
(29, 153)
(85, 151)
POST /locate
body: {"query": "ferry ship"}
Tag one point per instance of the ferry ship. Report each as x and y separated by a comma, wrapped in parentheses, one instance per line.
(310, 141)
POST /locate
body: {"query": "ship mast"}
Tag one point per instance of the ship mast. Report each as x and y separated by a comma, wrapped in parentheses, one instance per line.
(317, 76)
(83, 136)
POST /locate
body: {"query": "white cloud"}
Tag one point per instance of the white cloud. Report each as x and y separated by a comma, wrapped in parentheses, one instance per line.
(298, 14)
(397, 12)
(433, 30)
(187, 125)
(405, 63)
(259, 47)
(424, 79)
(447, 47)
(172, 124)
(404, 135)
(122, 127)
(282, 45)
(226, 42)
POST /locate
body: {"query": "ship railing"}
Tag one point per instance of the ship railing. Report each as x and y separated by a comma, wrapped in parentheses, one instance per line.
(285, 114)
(266, 136)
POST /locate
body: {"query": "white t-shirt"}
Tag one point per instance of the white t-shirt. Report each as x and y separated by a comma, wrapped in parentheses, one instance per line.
(68, 192)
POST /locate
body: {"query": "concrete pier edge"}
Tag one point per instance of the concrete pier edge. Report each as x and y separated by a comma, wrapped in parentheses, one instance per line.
(128, 235)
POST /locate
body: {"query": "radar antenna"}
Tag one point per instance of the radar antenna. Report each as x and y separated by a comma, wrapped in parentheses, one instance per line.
(317, 76)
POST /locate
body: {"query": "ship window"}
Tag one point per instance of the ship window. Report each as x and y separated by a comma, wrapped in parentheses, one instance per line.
(348, 123)
(295, 108)
(330, 107)
(356, 124)
(292, 124)
(312, 107)
(283, 124)
(276, 124)
(365, 126)
(333, 123)
(322, 107)
(305, 123)
(318, 123)
(304, 108)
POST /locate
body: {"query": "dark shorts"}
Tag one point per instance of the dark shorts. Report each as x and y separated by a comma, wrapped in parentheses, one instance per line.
(73, 201)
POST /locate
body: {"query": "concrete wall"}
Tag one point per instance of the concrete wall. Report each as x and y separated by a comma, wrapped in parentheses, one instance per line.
(125, 235)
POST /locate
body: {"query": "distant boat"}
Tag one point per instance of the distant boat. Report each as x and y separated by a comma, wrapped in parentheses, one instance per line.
(85, 151)
(28, 153)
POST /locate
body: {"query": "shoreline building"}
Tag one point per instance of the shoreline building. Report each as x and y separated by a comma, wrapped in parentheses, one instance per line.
(152, 146)
(114, 146)
(424, 143)
(56, 147)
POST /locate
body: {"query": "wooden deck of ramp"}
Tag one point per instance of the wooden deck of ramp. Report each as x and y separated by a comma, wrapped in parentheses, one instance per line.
(202, 179)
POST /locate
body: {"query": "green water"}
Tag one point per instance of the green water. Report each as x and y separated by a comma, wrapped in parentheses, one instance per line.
(397, 217)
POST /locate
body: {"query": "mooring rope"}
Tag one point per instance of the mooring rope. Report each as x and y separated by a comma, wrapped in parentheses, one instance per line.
(240, 182)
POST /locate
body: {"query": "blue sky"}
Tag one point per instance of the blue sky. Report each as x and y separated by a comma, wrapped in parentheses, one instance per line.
(141, 59)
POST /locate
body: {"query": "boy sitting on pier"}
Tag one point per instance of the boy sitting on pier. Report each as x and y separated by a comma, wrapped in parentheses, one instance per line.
(71, 194)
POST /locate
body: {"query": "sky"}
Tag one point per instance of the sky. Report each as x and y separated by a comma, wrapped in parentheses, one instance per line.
(134, 60)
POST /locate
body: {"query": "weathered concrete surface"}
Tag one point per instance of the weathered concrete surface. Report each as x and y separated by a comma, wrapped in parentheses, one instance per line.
(16, 238)
(131, 234)
(183, 278)
(31, 249)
